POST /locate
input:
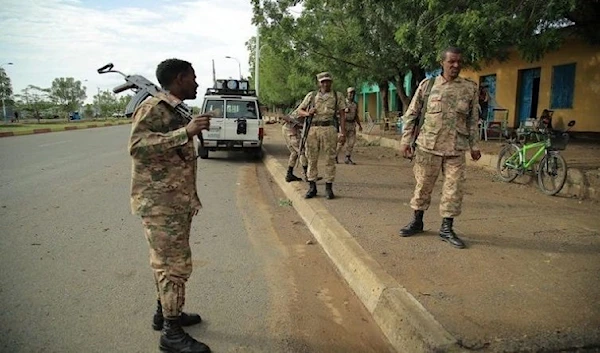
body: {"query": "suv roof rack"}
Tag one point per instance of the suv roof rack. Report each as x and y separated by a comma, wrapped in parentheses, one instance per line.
(217, 91)
(231, 86)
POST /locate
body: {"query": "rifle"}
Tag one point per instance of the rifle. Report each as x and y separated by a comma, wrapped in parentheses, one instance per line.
(143, 89)
(307, 123)
(420, 119)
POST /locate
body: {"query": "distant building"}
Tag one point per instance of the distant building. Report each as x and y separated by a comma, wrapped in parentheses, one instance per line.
(566, 81)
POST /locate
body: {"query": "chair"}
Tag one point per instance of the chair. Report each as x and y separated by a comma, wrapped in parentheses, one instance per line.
(498, 125)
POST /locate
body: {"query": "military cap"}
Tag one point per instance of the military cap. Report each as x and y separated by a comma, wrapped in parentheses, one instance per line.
(324, 76)
(351, 89)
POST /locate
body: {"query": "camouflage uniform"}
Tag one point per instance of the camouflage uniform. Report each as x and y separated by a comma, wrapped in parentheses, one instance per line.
(163, 193)
(351, 119)
(322, 136)
(292, 136)
(449, 130)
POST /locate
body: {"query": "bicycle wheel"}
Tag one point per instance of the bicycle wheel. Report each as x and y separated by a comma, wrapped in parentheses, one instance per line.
(508, 163)
(552, 173)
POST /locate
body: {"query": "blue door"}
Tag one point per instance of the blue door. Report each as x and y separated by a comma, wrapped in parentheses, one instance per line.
(490, 82)
(528, 93)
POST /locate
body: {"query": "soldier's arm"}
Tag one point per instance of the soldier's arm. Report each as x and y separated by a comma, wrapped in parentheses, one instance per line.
(146, 140)
(472, 121)
(357, 117)
(304, 105)
(412, 114)
(342, 111)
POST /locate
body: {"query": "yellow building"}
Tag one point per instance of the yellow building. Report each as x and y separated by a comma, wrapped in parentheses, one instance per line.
(566, 81)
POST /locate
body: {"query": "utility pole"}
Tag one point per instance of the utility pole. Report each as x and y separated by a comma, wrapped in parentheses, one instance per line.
(257, 55)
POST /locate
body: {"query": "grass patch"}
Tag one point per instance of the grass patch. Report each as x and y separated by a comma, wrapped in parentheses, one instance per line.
(25, 128)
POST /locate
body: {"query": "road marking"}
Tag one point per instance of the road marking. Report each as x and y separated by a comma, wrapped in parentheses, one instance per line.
(54, 143)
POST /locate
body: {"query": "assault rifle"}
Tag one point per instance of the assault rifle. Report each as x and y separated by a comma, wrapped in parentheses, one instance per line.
(143, 89)
(307, 123)
(420, 118)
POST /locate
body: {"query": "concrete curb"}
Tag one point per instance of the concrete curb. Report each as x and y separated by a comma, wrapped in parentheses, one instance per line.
(405, 322)
(577, 184)
(64, 128)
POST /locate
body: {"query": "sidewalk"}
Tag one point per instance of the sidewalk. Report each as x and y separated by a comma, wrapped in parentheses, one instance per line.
(528, 281)
(582, 157)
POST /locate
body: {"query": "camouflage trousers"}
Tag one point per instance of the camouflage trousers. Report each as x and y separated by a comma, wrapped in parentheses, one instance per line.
(292, 141)
(321, 140)
(427, 169)
(170, 258)
(350, 139)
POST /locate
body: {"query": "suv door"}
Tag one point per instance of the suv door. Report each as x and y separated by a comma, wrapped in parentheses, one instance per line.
(236, 113)
(217, 123)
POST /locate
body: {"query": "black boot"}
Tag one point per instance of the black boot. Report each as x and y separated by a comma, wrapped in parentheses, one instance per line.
(290, 175)
(329, 191)
(174, 339)
(312, 190)
(349, 161)
(448, 235)
(336, 159)
(185, 319)
(415, 226)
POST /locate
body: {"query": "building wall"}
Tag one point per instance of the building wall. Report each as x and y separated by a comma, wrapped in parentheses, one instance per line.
(586, 95)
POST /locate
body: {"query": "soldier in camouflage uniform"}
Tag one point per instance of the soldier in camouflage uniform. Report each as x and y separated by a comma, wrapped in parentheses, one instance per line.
(352, 120)
(163, 193)
(323, 136)
(448, 131)
(291, 133)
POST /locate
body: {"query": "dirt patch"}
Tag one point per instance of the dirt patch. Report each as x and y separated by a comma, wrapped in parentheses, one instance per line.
(323, 314)
(528, 280)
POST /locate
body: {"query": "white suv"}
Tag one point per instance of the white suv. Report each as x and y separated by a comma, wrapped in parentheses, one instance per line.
(238, 126)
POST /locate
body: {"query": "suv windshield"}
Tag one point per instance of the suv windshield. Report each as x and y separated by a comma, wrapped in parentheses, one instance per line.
(241, 109)
(212, 105)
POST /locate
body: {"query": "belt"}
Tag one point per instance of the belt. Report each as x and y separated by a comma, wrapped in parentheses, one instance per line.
(322, 123)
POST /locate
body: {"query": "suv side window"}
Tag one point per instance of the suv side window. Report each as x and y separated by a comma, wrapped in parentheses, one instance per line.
(241, 109)
(214, 104)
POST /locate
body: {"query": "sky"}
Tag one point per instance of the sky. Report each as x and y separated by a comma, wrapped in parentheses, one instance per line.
(46, 39)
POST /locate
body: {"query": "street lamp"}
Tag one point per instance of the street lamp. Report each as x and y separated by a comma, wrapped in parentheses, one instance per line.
(257, 62)
(239, 65)
(3, 102)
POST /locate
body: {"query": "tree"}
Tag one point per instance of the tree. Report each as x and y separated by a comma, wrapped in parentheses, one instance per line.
(5, 89)
(67, 93)
(34, 100)
(88, 111)
(380, 40)
(107, 103)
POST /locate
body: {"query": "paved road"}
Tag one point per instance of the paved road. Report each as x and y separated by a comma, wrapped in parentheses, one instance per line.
(75, 273)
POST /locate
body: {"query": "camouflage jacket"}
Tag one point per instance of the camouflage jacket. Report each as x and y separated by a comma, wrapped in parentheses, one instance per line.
(324, 105)
(351, 115)
(162, 182)
(450, 123)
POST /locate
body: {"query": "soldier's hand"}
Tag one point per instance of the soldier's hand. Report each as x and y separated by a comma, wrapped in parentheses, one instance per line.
(312, 111)
(407, 151)
(475, 154)
(197, 124)
(342, 138)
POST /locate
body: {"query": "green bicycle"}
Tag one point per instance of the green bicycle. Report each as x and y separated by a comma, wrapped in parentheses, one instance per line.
(551, 169)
